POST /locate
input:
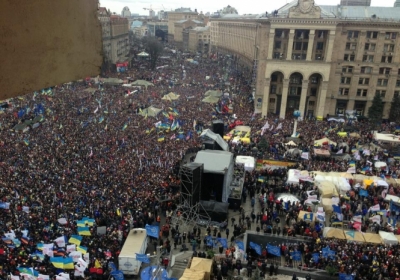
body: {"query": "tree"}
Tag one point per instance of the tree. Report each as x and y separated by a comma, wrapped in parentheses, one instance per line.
(154, 48)
(375, 112)
(263, 145)
(394, 114)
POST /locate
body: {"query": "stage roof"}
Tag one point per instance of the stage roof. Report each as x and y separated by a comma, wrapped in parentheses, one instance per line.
(214, 161)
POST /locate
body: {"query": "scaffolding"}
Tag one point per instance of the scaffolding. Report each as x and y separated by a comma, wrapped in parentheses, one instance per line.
(187, 213)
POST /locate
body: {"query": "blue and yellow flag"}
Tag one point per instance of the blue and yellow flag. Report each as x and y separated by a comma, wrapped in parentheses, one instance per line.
(88, 221)
(161, 138)
(125, 126)
(74, 239)
(81, 223)
(68, 263)
(82, 249)
(308, 217)
(58, 262)
(40, 246)
(84, 231)
(26, 142)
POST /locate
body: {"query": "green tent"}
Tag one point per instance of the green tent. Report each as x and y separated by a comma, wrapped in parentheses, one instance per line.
(210, 99)
(171, 96)
(150, 112)
(213, 93)
(142, 83)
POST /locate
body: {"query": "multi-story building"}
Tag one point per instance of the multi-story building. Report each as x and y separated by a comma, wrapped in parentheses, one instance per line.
(105, 21)
(153, 26)
(179, 14)
(318, 59)
(119, 39)
(181, 28)
(198, 39)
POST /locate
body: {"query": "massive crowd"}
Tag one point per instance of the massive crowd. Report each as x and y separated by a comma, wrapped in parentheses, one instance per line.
(94, 155)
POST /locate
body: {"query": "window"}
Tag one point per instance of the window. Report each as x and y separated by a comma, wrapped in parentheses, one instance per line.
(382, 82)
(369, 47)
(396, 93)
(388, 47)
(363, 81)
(351, 46)
(313, 91)
(278, 55)
(314, 80)
(349, 57)
(368, 58)
(300, 46)
(362, 92)
(345, 80)
(384, 70)
(343, 91)
(390, 35)
(372, 34)
(382, 93)
(386, 59)
(311, 103)
(279, 34)
(320, 46)
(347, 69)
(398, 83)
(352, 34)
(272, 100)
(278, 44)
(273, 89)
(366, 70)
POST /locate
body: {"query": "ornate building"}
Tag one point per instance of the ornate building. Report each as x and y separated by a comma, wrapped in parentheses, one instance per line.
(178, 15)
(317, 59)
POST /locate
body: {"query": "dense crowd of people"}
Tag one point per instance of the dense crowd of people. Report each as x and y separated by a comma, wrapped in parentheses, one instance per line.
(96, 155)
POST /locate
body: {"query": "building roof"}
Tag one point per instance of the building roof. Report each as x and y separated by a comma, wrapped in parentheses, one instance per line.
(349, 12)
(214, 161)
(185, 20)
(201, 29)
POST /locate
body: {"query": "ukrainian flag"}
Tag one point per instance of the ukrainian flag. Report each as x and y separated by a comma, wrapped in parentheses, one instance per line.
(125, 126)
(88, 221)
(165, 114)
(82, 249)
(26, 142)
(84, 231)
(161, 138)
(176, 112)
(25, 270)
(352, 163)
(74, 239)
(40, 246)
(58, 262)
(68, 263)
(147, 131)
(81, 223)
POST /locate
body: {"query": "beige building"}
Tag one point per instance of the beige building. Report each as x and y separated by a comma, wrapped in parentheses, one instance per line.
(181, 28)
(317, 59)
(119, 39)
(177, 15)
(104, 17)
(198, 39)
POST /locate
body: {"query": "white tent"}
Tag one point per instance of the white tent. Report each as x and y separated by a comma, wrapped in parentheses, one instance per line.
(379, 164)
(143, 54)
(387, 137)
(381, 183)
(248, 162)
(216, 137)
(327, 189)
(388, 238)
(390, 197)
(293, 177)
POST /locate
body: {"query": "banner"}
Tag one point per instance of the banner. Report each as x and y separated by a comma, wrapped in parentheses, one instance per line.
(223, 242)
(240, 245)
(315, 257)
(256, 248)
(363, 192)
(343, 276)
(273, 250)
(305, 155)
(394, 206)
(142, 258)
(152, 231)
(117, 274)
(308, 217)
(296, 255)
(263, 163)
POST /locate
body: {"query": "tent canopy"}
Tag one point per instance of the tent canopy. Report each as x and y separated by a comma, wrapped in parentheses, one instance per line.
(248, 162)
(210, 99)
(191, 274)
(321, 142)
(291, 143)
(354, 236)
(388, 238)
(372, 238)
(327, 189)
(330, 232)
(387, 137)
(150, 112)
(142, 83)
(322, 152)
(288, 197)
(143, 54)
(200, 264)
(216, 137)
(171, 96)
(213, 93)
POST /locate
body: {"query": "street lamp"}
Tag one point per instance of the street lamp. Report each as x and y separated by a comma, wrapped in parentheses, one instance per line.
(296, 115)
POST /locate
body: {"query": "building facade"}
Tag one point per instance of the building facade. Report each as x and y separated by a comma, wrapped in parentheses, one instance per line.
(119, 39)
(317, 59)
(198, 39)
(105, 21)
(177, 15)
(181, 29)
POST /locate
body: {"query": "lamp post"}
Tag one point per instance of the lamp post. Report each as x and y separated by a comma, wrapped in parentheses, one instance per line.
(296, 115)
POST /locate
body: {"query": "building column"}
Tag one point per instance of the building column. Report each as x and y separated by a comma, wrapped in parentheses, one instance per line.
(265, 97)
(322, 99)
(329, 48)
(285, 92)
(271, 41)
(310, 47)
(290, 45)
(303, 97)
